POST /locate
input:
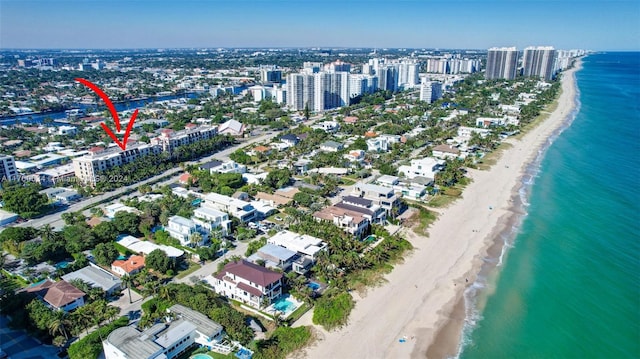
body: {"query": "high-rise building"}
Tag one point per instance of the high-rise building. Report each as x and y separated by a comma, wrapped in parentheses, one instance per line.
(408, 73)
(270, 74)
(362, 84)
(320, 91)
(539, 62)
(338, 66)
(502, 63)
(430, 91)
(331, 90)
(388, 77)
(300, 91)
(8, 169)
(310, 67)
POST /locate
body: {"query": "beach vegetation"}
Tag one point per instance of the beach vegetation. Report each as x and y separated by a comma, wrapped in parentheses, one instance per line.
(421, 221)
(282, 342)
(332, 309)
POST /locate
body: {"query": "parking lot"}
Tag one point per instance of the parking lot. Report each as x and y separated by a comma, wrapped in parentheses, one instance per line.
(19, 345)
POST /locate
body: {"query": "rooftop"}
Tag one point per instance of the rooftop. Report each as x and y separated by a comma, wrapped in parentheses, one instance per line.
(251, 272)
(275, 251)
(131, 264)
(58, 294)
(357, 201)
(203, 324)
(301, 243)
(94, 276)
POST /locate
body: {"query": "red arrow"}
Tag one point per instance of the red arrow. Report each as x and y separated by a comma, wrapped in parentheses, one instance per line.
(114, 114)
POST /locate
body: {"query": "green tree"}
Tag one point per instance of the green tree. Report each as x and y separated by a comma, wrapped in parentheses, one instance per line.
(18, 234)
(24, 200)
(105, 253)
(255, 245)
(126, 222)
(59, 324)
(278, 178)
(158, 260)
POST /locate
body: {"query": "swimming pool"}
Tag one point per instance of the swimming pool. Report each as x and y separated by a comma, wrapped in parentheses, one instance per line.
(313, 285)
(122, 258)
(370, 238)
(283, 304)
(62, 264)
(202, 356)
(244, 354)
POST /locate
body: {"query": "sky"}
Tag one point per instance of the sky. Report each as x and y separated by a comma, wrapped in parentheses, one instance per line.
(447, 24)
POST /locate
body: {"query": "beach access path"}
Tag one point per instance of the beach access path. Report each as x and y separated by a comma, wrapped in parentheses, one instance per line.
(421, 293)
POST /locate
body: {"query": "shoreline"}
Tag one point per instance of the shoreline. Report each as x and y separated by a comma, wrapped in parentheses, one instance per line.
(424, 298)
(450, 338)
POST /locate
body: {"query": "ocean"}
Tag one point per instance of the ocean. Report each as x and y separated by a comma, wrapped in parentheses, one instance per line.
(568, 283)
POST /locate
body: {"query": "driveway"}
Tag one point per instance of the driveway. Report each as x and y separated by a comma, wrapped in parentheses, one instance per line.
(19, 345)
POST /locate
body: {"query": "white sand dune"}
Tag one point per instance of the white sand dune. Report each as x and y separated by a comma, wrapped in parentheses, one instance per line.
(421, 293)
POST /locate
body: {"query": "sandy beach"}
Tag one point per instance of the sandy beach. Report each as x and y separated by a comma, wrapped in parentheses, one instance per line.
(422, 299)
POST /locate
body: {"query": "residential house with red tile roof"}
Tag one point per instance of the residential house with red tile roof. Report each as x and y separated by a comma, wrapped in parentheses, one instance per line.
(129, 266)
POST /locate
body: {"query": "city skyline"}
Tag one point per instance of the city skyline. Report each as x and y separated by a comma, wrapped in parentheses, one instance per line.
(377, 24)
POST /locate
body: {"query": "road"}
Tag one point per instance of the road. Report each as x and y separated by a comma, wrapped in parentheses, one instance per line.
(55, 219)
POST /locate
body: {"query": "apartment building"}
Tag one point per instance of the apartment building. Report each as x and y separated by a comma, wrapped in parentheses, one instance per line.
(502, 63)
(169, 140)
(88, 167)
(539, 62)
(8, 170)
(430, 91)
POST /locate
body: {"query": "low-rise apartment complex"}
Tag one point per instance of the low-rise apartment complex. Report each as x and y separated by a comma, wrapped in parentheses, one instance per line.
(88, 168)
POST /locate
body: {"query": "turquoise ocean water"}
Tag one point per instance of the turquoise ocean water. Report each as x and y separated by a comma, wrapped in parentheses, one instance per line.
(569, 284)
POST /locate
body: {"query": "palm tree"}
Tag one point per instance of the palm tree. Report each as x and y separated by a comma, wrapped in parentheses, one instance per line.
(46, 232)
(85, 317)
(58, 324)
(112, 313)
(195, 238)
(277, 318)
(164, 293)
(128, 281)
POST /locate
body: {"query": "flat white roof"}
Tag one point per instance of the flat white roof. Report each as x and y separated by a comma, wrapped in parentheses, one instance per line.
(301, 243)
(57, 171)
(208, 211)
(182, 221)
(146, 247)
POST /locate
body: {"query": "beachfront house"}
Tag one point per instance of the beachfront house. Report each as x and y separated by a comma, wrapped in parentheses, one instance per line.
(248, 283)
(164, 340)
(426, 167)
